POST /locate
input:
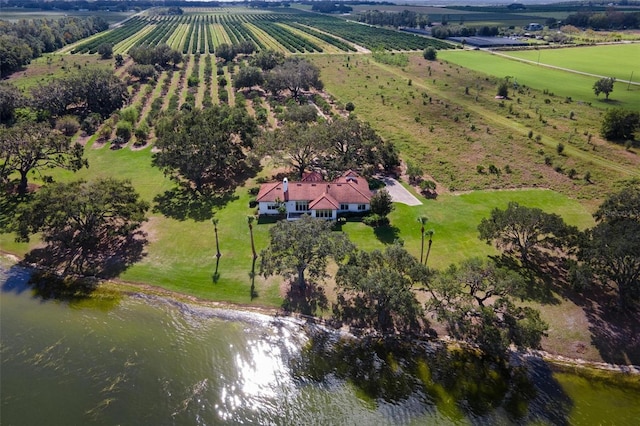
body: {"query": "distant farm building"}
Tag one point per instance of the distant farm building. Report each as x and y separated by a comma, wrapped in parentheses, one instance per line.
(486, 42)
(534, 27)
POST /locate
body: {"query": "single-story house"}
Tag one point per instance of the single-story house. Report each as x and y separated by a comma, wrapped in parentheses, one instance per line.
(315, 197)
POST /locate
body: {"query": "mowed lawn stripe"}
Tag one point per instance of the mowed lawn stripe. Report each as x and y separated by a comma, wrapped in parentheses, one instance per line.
(561, 83)
(618, 61)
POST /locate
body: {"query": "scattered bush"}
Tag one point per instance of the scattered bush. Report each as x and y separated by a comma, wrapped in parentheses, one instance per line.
(124, 130)
(68, 125)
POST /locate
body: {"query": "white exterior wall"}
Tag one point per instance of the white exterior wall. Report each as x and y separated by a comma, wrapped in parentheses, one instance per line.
(291, 208)
(262, 208)
(334, 215)
(354, 208)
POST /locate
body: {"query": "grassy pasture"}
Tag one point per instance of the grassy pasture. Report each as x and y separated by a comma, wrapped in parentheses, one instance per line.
(424, 108)
(561, 83)
(619, 61)
(51, 66)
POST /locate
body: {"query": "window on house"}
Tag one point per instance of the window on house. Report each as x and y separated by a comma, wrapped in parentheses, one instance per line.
(344, 206)
(362, 207)
(325, 214)
(302, 206)
(272, 206)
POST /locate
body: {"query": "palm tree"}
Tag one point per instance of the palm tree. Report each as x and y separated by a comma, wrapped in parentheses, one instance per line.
(250, 220)
(423, 220)
(430, 232)
(215, 229)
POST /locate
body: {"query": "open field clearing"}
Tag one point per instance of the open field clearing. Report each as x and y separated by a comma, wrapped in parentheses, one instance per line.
(620, 61)
(423, 108)
(561, 83)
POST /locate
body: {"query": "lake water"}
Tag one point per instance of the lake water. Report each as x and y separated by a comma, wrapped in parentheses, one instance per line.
(149, 361)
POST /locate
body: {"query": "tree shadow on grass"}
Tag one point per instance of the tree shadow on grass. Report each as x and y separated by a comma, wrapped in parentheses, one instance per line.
(387, 234)
(615, 332)
(184, 203)
(9, 203)
(539, 281)
(252, 276)
(107, 259)
(305, 300)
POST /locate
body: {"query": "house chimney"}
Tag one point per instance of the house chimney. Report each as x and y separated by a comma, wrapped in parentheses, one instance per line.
(285, 185)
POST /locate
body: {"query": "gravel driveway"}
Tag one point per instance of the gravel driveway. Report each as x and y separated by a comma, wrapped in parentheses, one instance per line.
(398, 192)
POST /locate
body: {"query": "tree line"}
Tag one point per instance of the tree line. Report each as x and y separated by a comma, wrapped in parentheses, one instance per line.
(608, 20)
(27, 39)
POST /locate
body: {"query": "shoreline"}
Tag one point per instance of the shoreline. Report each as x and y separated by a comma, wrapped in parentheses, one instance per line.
(137, 289)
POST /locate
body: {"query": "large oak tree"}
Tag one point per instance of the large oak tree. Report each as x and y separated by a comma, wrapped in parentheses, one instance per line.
(611, 249)
(377, 290)
(28, 147)
(524, 230)
(89, 228)
(84, 92)
(473, 300)
(303, 246)
(205, 147)
(295, 74)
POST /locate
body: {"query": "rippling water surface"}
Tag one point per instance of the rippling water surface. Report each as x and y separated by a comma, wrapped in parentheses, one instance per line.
(149, 361)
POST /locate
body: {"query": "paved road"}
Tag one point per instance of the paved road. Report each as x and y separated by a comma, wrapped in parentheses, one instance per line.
(398, 192)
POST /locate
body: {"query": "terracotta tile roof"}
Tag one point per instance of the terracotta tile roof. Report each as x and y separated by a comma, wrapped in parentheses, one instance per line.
(324, 202)
(312, 177)
(347, 189)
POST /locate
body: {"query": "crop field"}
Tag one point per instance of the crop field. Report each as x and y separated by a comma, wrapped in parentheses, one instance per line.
(621, 61)
(200, 30)
(578, 87)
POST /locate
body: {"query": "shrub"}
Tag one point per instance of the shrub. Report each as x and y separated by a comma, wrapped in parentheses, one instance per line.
(430, 54)
(560, 148)
(193, 81)
(68, 125)
(129, 114)
(91, 123)
(375, 220)
(142, 132)
(105, 132)
(124, 130)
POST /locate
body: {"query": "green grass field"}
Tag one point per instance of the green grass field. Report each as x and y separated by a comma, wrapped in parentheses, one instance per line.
(181, 253)
(619, 61)
(561, 83)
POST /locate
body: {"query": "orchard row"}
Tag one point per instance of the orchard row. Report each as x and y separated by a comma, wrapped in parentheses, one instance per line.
(286, 31)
